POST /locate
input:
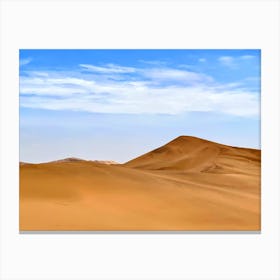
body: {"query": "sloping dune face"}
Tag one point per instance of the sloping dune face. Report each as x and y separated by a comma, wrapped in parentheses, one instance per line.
(188, 184)
(198, 155)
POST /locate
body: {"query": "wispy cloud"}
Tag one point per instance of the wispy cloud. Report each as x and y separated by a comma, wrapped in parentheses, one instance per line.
(109, 68)
(153, 62)
(25, 61)
(233, 62)
(245, 57)
(159, 90)
(228, 61)
(175, 75)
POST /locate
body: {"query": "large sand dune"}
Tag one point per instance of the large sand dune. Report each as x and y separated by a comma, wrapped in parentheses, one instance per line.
(188, 184)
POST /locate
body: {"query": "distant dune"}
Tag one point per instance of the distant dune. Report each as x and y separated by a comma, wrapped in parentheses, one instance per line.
(74, 159)
(187, 184)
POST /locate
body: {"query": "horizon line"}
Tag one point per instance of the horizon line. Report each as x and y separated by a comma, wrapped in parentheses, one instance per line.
(75, 159)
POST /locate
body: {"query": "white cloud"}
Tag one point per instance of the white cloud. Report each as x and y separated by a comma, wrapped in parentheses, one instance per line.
(156, 73)
(25, 61)
(153, 62)
(227, 61)
(145, 93)
(202, 60)
(245, 57)
(170, 74)
(109, 68)
(234, 62)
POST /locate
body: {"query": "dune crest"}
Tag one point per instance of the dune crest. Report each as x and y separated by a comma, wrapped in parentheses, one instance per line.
(187, 184)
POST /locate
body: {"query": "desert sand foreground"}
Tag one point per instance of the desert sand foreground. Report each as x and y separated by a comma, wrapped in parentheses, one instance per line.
(187, 184)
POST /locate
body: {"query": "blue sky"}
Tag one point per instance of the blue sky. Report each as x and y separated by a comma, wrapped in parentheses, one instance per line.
(119, 104)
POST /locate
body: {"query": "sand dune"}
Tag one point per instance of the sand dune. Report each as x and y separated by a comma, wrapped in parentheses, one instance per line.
(187, 184)
(198, 155)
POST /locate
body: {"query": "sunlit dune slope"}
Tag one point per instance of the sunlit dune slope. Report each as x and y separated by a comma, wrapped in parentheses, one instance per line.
(188, 184)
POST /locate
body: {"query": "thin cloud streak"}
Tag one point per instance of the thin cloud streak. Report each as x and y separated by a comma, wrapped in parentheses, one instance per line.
(227, 61)
(233, 62)
(109, 68)
(24, 61)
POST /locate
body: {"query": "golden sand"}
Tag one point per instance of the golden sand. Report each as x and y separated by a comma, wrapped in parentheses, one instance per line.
(187, 184)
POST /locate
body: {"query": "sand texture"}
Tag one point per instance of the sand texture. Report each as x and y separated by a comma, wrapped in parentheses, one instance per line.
(187, 184)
